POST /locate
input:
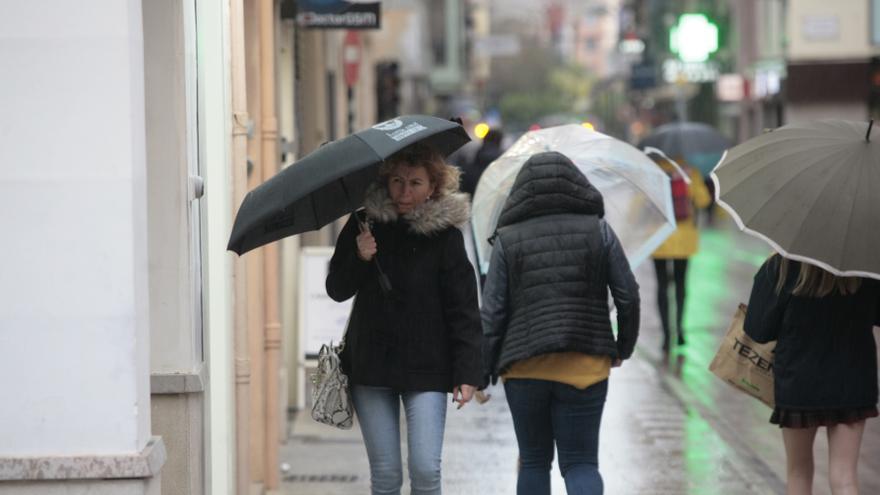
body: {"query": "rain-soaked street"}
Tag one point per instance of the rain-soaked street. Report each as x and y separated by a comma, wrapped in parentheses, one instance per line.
(669, 426)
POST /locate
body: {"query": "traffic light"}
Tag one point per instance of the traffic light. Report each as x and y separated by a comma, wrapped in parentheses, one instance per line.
(387, 90)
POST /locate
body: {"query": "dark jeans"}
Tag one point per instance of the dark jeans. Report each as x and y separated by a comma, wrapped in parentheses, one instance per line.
(679, 272)
(545, 413)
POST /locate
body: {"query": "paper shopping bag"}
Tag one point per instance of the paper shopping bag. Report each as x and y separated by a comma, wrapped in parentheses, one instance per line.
(744, 363)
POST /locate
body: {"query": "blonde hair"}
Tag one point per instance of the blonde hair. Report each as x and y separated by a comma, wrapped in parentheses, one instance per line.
(445, 178)
(813, 281)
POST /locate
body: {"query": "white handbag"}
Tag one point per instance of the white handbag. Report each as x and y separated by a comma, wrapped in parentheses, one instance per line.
(331, 398)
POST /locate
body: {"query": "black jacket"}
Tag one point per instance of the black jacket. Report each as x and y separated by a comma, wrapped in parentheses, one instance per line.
(552, 264)
(424, 335)
(825, 354)
(472, 171)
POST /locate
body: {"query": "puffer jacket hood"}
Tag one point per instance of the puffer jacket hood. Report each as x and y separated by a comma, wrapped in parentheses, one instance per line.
(431, 217)
(548, 184)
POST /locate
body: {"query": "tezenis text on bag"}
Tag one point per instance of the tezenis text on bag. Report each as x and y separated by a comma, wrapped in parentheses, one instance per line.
(750, 354)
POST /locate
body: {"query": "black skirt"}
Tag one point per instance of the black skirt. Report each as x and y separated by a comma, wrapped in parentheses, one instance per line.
(795, 418)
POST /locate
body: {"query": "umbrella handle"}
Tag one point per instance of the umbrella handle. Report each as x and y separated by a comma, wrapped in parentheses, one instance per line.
(384, 281)
(656, 151)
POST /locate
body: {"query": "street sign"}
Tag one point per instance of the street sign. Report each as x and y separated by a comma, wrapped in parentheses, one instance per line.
(351, 57)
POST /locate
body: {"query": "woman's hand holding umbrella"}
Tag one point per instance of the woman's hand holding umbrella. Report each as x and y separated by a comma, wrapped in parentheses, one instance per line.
(366, 244)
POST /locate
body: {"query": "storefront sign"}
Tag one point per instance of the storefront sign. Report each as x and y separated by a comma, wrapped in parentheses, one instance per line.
(321, 319)
(730, 87)
(693, 38)
(820, 28)
(695, 72)
(338, 14)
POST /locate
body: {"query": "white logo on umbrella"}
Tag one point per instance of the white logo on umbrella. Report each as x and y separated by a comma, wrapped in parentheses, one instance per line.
(388, 125)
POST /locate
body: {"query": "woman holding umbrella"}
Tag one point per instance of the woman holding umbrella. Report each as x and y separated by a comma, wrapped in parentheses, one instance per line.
(825, 365)
(418, 339)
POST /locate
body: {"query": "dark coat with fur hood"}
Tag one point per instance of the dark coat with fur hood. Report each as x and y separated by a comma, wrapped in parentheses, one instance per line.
(423, 335)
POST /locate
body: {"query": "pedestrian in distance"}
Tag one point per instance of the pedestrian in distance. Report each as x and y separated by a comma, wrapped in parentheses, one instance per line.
(489, 150)
(419, 340)
(676, 250)
(546, 324)
(825, 364)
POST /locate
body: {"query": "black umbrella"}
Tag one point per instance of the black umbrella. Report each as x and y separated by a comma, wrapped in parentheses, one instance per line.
(701, 145)
(332, 180)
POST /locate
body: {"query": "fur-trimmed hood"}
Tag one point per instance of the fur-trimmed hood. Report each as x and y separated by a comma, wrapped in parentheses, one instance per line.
(430, 217)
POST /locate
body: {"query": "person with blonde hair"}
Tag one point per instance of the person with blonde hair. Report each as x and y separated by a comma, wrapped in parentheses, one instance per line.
(825, 364)
(414, 333)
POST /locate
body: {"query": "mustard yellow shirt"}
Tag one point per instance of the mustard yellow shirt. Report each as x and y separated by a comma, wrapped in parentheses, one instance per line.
(571, 368)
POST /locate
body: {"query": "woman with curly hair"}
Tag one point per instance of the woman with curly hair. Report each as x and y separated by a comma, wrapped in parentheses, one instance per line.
(419, 339)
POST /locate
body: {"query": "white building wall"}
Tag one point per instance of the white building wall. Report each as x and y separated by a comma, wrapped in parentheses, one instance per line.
(804, 112)
(819, 29)
(74, 346)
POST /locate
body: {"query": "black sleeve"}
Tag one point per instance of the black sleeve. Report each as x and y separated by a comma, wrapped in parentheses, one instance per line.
(347, 271)
(766, 308)
(624, 291)
(458, 288)
(494, 312)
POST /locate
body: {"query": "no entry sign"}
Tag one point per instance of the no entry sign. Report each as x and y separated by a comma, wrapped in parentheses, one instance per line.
(351, 57)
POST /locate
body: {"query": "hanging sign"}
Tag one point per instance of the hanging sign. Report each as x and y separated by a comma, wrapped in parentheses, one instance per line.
(338, 14)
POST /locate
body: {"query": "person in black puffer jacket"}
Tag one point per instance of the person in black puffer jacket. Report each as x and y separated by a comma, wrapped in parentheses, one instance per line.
(419, 340)
(824, 366)
(546, 324)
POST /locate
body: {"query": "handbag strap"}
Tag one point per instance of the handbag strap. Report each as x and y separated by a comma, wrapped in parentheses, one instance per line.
(341, 346)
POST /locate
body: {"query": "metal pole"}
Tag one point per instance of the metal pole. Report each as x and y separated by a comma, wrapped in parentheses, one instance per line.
(239, 170)
(272, 323)
(350, 102)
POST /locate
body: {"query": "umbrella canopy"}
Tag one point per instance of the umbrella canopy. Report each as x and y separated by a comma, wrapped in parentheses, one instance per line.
(698, 144)
(811, 191)
(638, 200)
(331, 181)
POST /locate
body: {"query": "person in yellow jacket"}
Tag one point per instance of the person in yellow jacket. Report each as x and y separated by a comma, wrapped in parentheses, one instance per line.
(682, 244)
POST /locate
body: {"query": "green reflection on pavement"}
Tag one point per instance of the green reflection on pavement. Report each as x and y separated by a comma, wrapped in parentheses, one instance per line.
(719, 277)
(703, 454)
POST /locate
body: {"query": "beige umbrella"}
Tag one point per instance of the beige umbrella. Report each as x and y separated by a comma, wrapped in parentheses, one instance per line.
(812, 191)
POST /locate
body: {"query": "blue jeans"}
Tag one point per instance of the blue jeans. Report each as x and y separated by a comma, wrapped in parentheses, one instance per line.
(545, 412)
(378, 411)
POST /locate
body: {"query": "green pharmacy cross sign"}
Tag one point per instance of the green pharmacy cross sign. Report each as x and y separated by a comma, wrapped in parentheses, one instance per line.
(694, 38)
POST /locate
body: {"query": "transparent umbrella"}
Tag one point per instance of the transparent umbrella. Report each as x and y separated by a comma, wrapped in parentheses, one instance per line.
(638, 201)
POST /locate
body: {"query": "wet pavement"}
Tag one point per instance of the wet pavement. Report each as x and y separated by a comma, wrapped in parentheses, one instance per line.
(669, 426)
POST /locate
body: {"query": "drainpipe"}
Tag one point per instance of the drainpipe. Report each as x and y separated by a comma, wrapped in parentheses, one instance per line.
(272, 340)
(256, 303)
(239, 186)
